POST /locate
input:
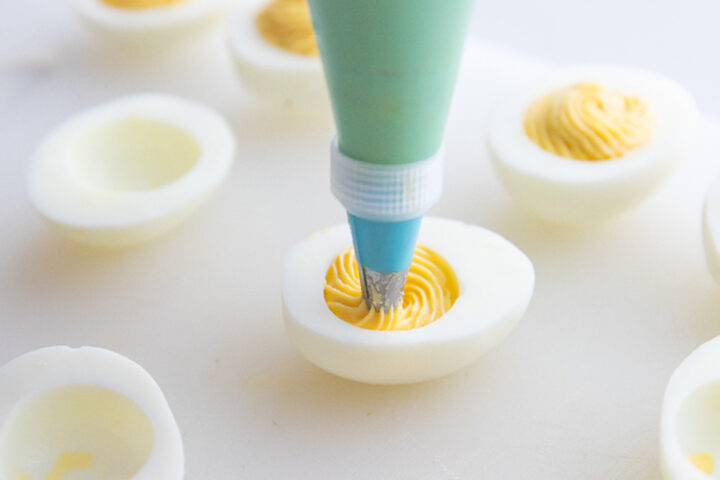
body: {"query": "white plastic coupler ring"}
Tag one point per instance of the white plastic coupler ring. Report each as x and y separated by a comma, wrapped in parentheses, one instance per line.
(386, 193)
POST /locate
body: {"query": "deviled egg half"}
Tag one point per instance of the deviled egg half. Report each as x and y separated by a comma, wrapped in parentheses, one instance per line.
(466, 290)
(85, 413)
(126, 171)
(143, 19)
(711, 230)
(587, 143)
(690, 425)
(273, 45)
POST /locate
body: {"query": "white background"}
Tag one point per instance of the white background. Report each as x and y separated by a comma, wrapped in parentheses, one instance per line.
(573, 393)
(680, 39)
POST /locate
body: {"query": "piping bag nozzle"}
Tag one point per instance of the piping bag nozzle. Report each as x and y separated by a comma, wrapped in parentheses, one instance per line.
(382, 291)
(385, 204)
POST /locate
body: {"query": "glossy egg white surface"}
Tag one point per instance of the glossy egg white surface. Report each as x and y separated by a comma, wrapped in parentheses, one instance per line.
(88, 402)
(182, 17)
(711, 230)
(566, 190)
(496, 282)
(691, 415)
(274, 74)
(129, 170)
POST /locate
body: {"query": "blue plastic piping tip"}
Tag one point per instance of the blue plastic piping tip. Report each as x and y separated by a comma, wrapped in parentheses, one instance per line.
(385, 205)
(384, 251)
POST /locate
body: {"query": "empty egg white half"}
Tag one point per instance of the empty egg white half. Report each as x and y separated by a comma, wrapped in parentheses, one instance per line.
(85, 413)
(495, 285)
(711, 230)
(690, 425)
(126, 171)
(272, 73)
(181, 17)
(567, 190)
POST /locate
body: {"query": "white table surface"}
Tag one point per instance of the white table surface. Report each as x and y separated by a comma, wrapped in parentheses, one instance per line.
(573, 393)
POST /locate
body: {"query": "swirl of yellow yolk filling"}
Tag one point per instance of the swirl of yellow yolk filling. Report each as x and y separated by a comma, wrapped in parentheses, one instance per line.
(589, 122)
(430, 290)
(287, 24)
(138, 4)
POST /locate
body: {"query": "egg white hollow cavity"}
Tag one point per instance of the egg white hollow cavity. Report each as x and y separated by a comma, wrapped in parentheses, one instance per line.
(495, 281)
(85, 413)
(711, 230)
(126, 171)
(567, 190)
(151, 23)
(690, 424)
(274, 74)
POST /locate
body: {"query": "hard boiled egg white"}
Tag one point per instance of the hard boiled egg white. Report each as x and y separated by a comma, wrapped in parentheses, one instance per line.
(85, 413)
(495, 285)
(690, 425)
(711, 230)
(129, 170)
(138, 19)
(271, 72)
(569, 190)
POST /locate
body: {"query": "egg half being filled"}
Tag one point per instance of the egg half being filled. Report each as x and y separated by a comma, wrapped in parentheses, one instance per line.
(85, 413)
(148, 19)
(604, 138)
(690, 424)
(126, 171)
(273, 46)
(494, 283)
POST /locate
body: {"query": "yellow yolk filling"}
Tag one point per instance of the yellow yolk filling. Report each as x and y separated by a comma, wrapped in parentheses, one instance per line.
(287, 24)
(68, 462)
(703, 461)
(139, 4)
(430, 290)
(587, 121)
